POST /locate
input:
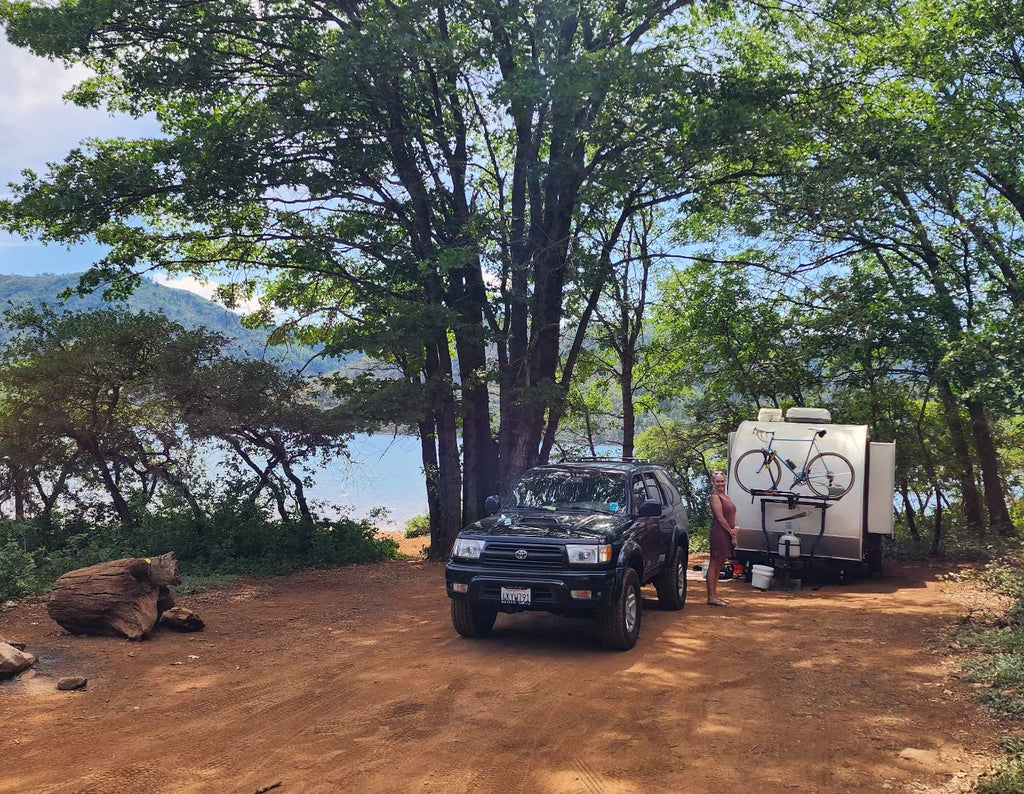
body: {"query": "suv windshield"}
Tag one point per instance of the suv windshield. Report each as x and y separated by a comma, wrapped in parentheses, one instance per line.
(566, 490)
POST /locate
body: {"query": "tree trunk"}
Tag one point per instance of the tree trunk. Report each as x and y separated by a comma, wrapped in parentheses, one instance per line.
(449, 474)
(299, 492)
(91, 447)
(179, 486)
(937, 529)
(995, 498)
(909, 511)
(122, 597)
(628, 413)
(479, 452)
(973, 514)
(428, 454)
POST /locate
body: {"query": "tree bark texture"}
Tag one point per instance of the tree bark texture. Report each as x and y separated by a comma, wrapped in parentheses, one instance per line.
(121, 597)
(973, 514)
(988, 459)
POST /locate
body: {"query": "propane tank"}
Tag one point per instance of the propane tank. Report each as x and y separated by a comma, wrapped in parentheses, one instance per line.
(789, 545)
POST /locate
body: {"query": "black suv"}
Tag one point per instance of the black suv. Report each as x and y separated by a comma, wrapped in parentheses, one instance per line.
(574, 538)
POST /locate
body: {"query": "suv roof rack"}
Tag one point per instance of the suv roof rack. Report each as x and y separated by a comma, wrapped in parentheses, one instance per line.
(595, 459)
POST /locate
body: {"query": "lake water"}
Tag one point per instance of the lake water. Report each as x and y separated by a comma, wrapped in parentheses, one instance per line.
(385, 471)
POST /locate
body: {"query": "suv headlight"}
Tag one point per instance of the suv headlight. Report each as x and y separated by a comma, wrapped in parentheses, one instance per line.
(588, 553)
(468, 548)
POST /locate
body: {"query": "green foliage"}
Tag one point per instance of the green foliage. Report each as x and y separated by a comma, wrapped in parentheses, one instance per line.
(417, 527)
(1003, 574)
(700, 538)
(957, 541)
(89, 547)
(238, 538)
(728, 332)
(692, 451)
(996, 645)
(995, 642)
(235, 540)
(1006, 778)
(123, 404)
(17, 571)
(529, 136)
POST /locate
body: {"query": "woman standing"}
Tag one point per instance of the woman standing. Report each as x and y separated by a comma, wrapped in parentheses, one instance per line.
(723, 535)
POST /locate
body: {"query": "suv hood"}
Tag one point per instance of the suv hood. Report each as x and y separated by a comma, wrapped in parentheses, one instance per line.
(566, 524)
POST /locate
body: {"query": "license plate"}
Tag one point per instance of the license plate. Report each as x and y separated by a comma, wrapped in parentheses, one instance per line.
(519, 596)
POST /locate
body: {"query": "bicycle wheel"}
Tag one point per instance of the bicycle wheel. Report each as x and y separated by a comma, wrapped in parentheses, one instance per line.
(753, 473)
(830, 474)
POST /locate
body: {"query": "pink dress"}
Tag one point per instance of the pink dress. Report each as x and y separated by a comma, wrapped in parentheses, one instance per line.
(721, 538)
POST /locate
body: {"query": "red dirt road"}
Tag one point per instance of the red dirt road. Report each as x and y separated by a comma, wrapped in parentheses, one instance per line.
(353, 680)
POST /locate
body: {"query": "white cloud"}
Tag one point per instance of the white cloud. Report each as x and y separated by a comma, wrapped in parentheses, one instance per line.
(37, 125)
(205, 289)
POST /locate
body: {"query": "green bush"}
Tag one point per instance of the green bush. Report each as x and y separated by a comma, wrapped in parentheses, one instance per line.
(417, 527)
(97, 544)
(700, 542)
(237, 539)
(1008, 776)
(957, 542)
(17, 571)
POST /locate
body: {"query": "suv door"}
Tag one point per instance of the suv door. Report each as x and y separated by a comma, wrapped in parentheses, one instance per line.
(661, 537)
(642, 530)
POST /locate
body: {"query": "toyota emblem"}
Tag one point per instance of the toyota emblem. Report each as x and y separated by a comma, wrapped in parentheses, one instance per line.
(521, 554)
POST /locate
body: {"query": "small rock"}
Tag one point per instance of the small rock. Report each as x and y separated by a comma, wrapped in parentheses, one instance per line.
(72, 682)
(916, 754)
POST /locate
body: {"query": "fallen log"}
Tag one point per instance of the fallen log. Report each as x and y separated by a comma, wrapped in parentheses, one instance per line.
(121, 597)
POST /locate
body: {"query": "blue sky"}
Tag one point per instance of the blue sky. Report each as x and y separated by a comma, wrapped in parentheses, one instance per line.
(37, 127)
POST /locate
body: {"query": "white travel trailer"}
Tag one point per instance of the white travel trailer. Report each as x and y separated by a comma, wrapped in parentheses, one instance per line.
(807, 490)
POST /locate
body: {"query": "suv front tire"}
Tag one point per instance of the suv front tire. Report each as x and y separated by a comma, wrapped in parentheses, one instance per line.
(620, 620)
(472, 620)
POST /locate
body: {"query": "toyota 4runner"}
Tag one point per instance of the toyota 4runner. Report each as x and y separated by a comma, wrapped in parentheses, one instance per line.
(574, 538)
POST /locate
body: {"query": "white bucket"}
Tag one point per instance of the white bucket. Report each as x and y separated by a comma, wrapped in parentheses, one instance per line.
(761, 576)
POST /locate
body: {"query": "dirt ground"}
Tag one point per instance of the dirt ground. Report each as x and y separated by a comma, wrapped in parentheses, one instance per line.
(353, 680)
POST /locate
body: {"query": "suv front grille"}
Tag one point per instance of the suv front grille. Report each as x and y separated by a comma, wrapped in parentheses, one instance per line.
(538, 555)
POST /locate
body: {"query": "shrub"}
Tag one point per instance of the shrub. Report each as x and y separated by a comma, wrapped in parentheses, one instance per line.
(700, 542)
(1008, 776)
(417, 527)
(17, 571)
(239, 538)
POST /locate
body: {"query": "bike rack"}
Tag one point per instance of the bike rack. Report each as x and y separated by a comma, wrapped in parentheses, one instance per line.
(791, 500)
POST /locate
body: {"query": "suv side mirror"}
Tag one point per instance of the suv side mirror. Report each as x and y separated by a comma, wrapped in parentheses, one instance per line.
(649, 509)
(492, 504)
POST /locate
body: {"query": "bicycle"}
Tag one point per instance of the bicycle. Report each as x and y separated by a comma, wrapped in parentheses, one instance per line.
(827, 474)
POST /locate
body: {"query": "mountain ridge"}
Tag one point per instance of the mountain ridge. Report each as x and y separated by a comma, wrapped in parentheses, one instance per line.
(179, 305)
